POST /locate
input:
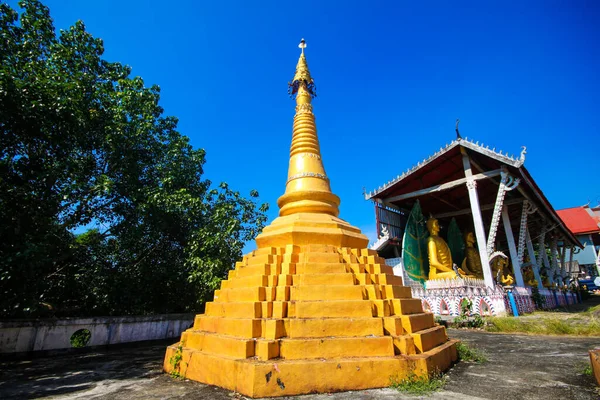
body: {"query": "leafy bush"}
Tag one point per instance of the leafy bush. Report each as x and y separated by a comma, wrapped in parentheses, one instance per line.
(85, 144)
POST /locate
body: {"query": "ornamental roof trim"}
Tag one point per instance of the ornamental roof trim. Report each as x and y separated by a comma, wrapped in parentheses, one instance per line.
(505, 158)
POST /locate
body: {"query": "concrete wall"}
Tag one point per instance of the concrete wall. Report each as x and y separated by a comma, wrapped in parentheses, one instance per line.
(52, 334)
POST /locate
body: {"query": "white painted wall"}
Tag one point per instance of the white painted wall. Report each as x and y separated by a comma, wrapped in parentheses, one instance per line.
(25, 336)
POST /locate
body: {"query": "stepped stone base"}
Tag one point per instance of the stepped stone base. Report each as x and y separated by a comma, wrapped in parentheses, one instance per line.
(317, 318)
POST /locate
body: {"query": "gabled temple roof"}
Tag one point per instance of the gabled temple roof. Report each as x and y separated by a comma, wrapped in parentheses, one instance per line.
(465, 142)
(428, 181)
(579, 220)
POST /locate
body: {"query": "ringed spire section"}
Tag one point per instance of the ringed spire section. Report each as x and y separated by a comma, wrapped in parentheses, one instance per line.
(307, 187)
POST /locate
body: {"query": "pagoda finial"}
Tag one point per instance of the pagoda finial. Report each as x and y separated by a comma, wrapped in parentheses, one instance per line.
(302, 81)
(302, 45)
(307, 188)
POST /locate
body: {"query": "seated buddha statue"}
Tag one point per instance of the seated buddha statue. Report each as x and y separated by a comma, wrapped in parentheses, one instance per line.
(440, 258)
(471, 265)
(500, 271)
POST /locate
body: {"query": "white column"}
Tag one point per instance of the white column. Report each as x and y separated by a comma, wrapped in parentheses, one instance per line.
(477, 221)
(514, 257)
(534, 265)
(549, 271)
(554, 255)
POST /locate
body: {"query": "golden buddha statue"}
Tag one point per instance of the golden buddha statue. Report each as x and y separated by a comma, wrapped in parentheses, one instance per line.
(440, 258)
(471, 265)
(501, 272)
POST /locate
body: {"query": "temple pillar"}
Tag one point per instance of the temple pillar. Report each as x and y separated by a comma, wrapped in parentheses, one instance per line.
(542, 250)
(514, 257)
(534, 265)
(477, 220)
(554, 260)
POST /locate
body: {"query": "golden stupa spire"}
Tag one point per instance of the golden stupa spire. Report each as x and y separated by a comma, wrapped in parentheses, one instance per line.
(307, 188)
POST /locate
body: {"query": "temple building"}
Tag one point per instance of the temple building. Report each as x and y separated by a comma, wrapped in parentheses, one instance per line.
(312, 309)
(584, 222)
(470, 222)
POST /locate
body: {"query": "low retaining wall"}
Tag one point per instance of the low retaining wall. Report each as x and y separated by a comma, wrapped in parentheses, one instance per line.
(53, 334)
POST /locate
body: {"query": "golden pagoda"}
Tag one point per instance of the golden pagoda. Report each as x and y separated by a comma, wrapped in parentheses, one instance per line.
(312, 309)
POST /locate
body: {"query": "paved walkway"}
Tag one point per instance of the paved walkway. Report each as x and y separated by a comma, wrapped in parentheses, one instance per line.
(520, 367)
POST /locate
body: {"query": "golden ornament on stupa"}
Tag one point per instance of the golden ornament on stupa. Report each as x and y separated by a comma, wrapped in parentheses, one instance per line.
(311, 309)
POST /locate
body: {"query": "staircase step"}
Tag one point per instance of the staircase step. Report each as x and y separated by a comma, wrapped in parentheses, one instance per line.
(336, 347)
(326, 292)
(247, 309)
(343, 327)
(417, 322)
(324, 279)
(406, 306)
(238, 327)
(214, 343)
(320, 268)
(332, 309)
(427, 339)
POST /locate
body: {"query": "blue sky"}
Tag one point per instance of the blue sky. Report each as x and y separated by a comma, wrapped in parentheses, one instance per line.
(392, 78)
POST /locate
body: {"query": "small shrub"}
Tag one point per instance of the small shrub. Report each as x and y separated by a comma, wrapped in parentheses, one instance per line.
(466, 353)
(585, 368)
(419, 385)
(175, 362)
(80, 338)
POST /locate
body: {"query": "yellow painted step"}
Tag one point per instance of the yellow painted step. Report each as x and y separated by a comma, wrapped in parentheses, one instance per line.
(240, 294)
(356, 268)
(255, 270)
(324, 279)
(404, 345)
(417, 322)
(249, 309)
(247, 281)
(320, 268)
(326, 292)
(439, 358)
(264, 259)
(333, 309)
(259, 379)
(239, 327)
(321, 327)
(218, 344)
(427, 339)
(380, 308)
(266, 250)
(293, 349)
(380, 269)
(319, 258)
(395, 292)
(388, 279)
(406, 306)
(363, 278)
(266, 349)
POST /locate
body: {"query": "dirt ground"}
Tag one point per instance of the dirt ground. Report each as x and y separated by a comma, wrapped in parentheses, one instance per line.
(523, 367)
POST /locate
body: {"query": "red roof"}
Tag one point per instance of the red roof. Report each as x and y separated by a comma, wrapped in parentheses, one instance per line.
(579, 220)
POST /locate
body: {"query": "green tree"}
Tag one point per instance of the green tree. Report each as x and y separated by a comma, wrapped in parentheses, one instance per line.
(82, 143)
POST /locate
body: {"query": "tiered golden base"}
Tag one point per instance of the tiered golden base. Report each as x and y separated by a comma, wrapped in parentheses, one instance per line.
(316, 318)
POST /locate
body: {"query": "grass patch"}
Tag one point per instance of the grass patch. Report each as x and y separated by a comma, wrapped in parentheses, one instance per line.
(585, 368)
(419, 385)
(544, 324)
(467, 353)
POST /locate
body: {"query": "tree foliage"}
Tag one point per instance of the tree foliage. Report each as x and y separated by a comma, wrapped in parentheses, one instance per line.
(84, 144)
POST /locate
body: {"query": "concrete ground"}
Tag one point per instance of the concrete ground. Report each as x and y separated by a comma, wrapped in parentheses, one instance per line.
(522, 367)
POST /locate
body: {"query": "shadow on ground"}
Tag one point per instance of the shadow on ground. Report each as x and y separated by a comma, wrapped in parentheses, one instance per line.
(519, 366)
